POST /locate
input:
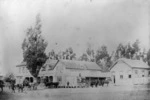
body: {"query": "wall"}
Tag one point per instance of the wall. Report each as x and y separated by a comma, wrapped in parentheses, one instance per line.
(121, 72)
(21, 73)
(141, 76)
(138, 76)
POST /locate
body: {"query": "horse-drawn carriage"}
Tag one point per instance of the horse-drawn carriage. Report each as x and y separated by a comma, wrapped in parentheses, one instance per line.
(106, 81)
(25, 84)
(52, 84)
(101, 82)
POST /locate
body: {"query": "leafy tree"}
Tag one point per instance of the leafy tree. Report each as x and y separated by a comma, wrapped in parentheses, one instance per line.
(126, 51)
(136, 45)
(148, 57)
(64, 55)
(109, 62)
(102, 53)
(59, 55)
(9, 77)
(73, 56)
(102, 58)
(34, 47)
(69, 54)
(136, 49)
(120, 52)
(84, 57)
(70, 50)
(90, 53)
(129, 51)
(144, 55)
(52, 54)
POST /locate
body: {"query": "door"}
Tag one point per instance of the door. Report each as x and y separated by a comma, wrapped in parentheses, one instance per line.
(114, 79)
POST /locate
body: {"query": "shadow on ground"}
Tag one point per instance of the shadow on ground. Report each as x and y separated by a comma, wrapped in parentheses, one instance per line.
(7, 96)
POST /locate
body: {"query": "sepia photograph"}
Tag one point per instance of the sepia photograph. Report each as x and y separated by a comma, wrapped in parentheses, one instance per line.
(74, 49)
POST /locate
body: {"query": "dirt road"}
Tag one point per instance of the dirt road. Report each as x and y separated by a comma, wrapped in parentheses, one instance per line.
(101, 93)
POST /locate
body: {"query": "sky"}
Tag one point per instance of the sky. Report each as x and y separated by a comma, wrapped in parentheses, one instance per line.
(72, 23)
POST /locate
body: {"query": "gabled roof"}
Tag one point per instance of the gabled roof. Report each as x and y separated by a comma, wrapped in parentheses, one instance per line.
(132, 63)
(70, 64)
(82, 65)
(51, 63)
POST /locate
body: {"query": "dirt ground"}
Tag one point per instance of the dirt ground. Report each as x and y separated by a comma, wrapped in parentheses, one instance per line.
(101, 93)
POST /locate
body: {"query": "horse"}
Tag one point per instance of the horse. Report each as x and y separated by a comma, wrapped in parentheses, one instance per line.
(105, 81)
(13, 86)
(1, 85)
(94, 83)
(50, 84)
(20, 87)
(32, 85)
(23, 85)
(27, 84)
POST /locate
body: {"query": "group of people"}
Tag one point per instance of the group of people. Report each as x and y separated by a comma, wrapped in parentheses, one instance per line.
(21, 87)
(25, 85)
(94, 83)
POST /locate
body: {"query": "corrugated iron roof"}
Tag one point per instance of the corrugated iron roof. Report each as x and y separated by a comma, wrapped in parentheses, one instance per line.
(133, 63)
(70, 64)
(82, 65)
(51, 63)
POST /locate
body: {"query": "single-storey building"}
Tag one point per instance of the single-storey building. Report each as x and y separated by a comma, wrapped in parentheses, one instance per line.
(130, 72)
(64, 71)
(67, 71)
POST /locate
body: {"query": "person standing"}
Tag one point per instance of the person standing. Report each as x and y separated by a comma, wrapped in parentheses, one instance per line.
(13, 85)
(68, 84)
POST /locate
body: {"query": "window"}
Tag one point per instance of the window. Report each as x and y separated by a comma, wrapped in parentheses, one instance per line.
(50, 67)
(136, 71)
(23, 69)
(59, 78)
(51, 78)
(143, 71)
(129, 76)
(80, 75)
(31, 79)
(19, 69)
(46, 79)
(149, 73)
(43, 68)
(142, 75)
(121, 76)
(27, 78)
(39, 79)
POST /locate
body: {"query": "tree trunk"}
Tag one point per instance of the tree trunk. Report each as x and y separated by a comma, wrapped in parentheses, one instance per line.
(35, 83)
